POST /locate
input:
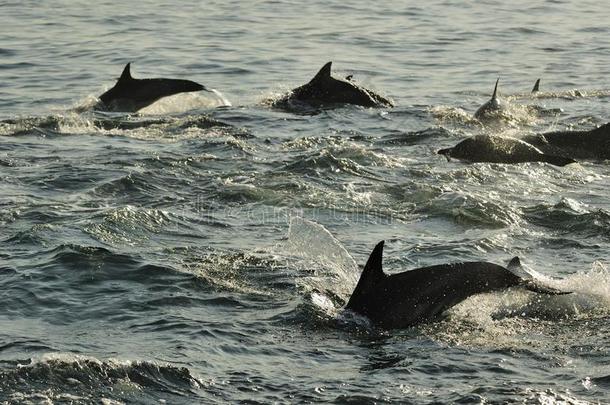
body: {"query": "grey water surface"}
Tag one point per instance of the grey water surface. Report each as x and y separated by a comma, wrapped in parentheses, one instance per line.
(200, 251)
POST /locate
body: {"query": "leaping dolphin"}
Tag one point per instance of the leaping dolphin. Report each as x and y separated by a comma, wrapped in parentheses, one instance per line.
(406, 299)
(131, 95)
(324, 90)
(500, 149)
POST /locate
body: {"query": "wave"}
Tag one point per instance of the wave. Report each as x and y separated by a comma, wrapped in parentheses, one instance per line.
(133, 125)
(137, 188)
(67, 377)
(351, 159)
(128, 225)
(97, 284)
(247, 273)
(472, 210)
(51, 264)
(569, 216)
(277, 196)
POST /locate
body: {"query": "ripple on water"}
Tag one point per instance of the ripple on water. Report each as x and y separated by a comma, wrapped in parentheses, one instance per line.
(75, 378)
(129, 225)
(568, 216)
(469, 209)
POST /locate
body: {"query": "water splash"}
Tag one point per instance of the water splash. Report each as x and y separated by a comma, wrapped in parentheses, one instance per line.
(183, 102)
(331, 272)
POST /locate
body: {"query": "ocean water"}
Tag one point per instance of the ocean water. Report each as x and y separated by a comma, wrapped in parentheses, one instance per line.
(200, 251)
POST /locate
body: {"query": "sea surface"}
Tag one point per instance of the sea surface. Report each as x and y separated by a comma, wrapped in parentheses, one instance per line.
(201, 250)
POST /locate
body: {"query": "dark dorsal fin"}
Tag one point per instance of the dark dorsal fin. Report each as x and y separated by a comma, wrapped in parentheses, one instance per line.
(126, 75)
(515, 263)
(515, 267)
(324, 73)
(371, 275)
(536, 88)
(495, 90)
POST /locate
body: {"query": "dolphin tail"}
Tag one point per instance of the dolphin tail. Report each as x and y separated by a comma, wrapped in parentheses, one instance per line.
(182, 86)
(543, 289)
(536, 88)
(380, 99)
(516, 268)
(557, 160)
(371, 275)
(515, 264)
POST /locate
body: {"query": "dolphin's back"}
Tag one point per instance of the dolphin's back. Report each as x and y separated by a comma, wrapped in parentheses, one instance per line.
(335, 91)
(129, 94)
(498, 149)
(491, 107)
(151, 89)
(325, 90)
(139, 93)
(404, 299)
(593, 144)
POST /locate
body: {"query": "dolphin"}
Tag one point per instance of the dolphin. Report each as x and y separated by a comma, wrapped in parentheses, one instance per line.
(593, 144)
(421, 295)
(491, 107)
(498, 149)
(131, 95)
(536, 88)
(324, 90)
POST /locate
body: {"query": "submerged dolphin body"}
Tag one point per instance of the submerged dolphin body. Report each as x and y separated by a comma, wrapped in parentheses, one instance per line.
(131, 95)
(593, 144)
(324, 90)
(492, 107)
(405, 299)
(498, 149)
